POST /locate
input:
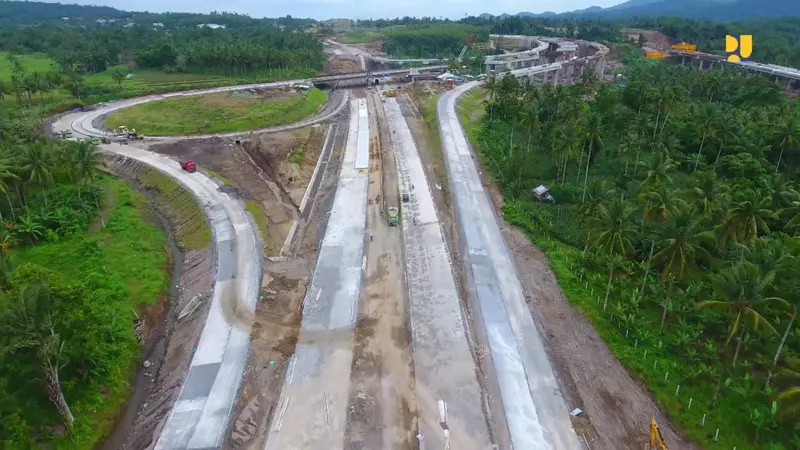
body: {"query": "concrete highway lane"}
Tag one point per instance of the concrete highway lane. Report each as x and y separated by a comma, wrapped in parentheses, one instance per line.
(201, 414)
(312, 410)
(535, 411)
(443, 364)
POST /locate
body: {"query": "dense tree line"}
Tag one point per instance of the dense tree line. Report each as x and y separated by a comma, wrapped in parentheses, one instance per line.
(677, 194)
(423, 41)
(774, 41)
(229, 52)
(37, 13)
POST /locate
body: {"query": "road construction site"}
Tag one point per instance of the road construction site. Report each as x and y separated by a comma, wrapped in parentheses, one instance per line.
(364, 335)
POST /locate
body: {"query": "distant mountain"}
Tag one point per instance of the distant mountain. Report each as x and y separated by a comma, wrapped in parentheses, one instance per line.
(713, 10)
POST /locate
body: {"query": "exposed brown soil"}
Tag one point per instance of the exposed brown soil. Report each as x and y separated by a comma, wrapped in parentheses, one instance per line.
(414, 104)
(278, 317)
(273, 338)
(382, 399)
(260, 166)
(167, 342)
(656, 40)
(336, 65)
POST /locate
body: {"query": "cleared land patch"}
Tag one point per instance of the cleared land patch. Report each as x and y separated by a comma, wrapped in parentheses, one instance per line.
(218, 113)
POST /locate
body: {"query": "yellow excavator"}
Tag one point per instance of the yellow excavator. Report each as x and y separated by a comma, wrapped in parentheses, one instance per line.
(656, 441)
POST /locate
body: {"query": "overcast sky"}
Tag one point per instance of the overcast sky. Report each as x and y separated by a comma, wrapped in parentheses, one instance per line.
(356, 9)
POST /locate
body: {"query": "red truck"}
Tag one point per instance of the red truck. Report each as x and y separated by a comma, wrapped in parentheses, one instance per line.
(189, 166)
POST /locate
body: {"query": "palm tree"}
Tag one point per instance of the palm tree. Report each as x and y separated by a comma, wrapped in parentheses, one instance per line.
(740, 293)
(7, 174)
(492, 86)
(35, 162)
(647, 232)
(593, 139)
(746, 219)
(727, 132)
(706, 193)
(661, 203)
(683, 248)
(789, 396)
(29, 324)
(611, 233)
(707, 128)
(657, 167)
(787, 137)
(783, 193)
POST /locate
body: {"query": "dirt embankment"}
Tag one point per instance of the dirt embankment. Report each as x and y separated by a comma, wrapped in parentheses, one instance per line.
(278, 317)
(273, 169)
(168, 343)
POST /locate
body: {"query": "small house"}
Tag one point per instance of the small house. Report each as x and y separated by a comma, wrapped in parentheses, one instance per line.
(542, 194)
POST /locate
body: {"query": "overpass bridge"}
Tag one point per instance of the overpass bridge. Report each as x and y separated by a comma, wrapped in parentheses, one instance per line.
(788, 76)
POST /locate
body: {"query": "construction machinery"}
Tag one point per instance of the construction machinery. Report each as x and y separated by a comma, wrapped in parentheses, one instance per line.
(466, 45)
(394, 216)
(684, 46)
(189, 166)
(656, 441)
(129, 133)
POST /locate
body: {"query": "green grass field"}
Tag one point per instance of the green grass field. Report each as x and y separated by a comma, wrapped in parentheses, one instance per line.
(35, 62)
(102, 87)
(216, 113)
(359, 36)
(131, 234)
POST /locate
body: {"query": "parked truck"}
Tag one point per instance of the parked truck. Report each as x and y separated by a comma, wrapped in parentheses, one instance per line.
(394, 216)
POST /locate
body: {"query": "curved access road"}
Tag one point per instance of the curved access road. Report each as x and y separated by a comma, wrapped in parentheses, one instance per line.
(535, 411)
(201, 413)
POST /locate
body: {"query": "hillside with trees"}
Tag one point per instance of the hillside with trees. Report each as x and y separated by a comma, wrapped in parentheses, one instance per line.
(426, 41)
(14, 13)
(67, 306)
(674, 228)
(234, 52)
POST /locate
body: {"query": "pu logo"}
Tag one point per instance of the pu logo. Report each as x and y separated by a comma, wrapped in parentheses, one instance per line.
(739, 48)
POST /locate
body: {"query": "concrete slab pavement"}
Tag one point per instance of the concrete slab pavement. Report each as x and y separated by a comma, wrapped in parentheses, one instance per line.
(443, 363)
(535, 411)
(312, 410)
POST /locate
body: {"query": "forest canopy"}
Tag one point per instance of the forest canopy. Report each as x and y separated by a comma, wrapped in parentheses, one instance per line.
(676, 206)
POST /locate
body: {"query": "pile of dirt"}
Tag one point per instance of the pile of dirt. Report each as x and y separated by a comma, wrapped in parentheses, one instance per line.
(656, 40)
(251, 168)
(168, 343)
(339, 64)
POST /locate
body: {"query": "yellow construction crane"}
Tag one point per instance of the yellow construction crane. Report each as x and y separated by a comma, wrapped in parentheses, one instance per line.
(656, 441)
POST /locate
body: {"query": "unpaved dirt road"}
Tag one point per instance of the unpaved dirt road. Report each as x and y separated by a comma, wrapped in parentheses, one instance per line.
(312, 410)
(446, 373)
(382, 406)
